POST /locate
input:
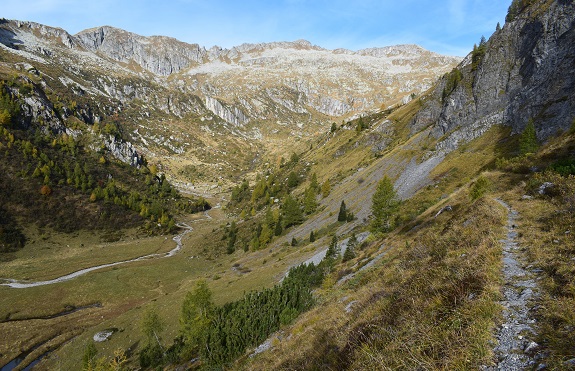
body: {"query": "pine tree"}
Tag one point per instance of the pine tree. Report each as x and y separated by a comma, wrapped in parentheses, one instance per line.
(293, 180)
(311, 237)
(350, 248)
(528, 140)
(326, 188)
(309, 201)
(294, 241)
(266, 235)
(314, 183)
(278, 227)
(342, 216)
(384, 206)
(332, 252)
(292, 212)
(232, 237)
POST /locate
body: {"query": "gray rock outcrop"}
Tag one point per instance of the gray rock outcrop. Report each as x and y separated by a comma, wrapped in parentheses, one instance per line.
(157, 54)
(122, 150)
(526, 73)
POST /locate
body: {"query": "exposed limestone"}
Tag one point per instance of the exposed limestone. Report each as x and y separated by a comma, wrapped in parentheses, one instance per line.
(525, 73)
(160, 55)
(230, 114)
(122, 150)
(278, 80)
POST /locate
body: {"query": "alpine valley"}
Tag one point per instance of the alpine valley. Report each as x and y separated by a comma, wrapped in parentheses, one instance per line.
(285, 206)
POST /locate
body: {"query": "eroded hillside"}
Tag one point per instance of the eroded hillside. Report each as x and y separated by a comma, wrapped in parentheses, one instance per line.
(205, 107)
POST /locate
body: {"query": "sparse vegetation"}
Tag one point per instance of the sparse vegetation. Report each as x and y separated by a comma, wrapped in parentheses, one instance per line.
(516, 7)
(438, 303)
(452, 81)
(478, 53)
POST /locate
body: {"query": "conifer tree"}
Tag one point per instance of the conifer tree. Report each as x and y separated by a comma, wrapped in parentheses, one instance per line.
(196, 316)
(152, 326)
(311, 237)
(326, 188)
(528, 140)
(350, 249)
(332, 252)
(293, 180)
(153, 353)
(278, 227)
(232, 237)
(309, 201)
(342, 216)
(314, 183)
(384, 206)
(292, 212)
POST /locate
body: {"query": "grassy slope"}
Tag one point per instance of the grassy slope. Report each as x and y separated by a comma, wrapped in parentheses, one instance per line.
(458, 308)
(432, 300)
(439, 278)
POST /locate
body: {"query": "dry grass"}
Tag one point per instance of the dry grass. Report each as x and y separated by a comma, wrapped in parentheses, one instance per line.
(125, 291)
(431, 303)
(546, 228)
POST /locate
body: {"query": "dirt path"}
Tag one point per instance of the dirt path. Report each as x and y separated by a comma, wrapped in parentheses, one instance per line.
(515, 348)
(177, 239)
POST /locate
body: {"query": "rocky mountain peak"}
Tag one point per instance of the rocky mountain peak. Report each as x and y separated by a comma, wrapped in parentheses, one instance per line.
(160, 55)
(254, 92)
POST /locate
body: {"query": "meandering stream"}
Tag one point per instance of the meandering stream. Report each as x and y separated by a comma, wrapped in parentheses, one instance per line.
(17, 284)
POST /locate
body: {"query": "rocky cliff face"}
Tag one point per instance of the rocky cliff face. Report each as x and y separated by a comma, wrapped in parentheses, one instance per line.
(334, 83)
(262, 93)
(160, 55)
(525, 73)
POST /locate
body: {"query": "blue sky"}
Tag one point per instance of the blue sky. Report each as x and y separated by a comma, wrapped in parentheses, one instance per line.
(444, 26)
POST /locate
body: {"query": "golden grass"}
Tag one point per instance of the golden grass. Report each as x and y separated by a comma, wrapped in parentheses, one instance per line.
(50, 254)
(431, 303)
(546, 227)
(125, 291)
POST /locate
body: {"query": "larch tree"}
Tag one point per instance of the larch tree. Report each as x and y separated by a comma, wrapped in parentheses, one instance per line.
(384, 206)
(195, 319)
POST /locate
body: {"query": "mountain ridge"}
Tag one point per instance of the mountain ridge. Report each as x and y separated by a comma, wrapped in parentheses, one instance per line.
(255, 92)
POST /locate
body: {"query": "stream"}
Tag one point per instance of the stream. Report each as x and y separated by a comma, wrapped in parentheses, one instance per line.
(17, 284)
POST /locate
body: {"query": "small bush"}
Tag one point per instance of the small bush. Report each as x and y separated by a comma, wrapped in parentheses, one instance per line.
(45, 190)
(480, 188)
(564, 167)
